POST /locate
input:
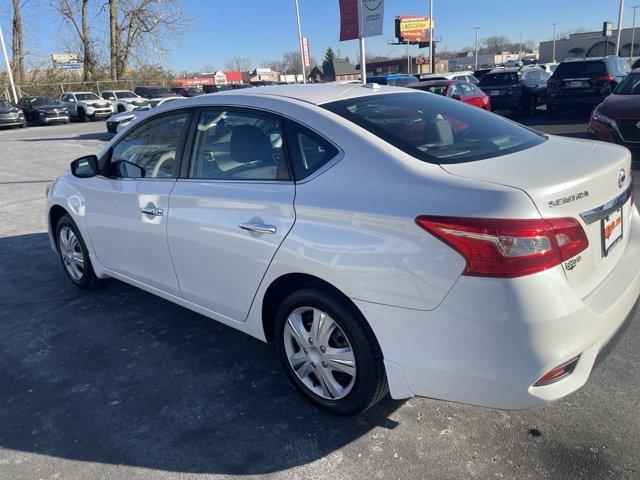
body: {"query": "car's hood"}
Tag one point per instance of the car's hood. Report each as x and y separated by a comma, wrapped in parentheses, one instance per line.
(9, 110)
(621, 107)
(119, 117)
(49, 106)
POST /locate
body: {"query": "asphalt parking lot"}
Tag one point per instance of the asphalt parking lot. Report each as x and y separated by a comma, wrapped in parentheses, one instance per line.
(117, 383)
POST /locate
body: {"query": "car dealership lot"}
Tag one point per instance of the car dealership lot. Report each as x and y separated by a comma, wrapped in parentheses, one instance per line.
(118, 383)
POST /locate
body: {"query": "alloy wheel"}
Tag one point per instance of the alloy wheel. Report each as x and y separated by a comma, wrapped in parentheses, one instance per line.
(319, 353)
(71, 253)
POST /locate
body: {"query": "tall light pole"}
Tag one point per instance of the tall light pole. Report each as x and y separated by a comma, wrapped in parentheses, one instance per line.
(554, 43)
(6, 60)
(633, 30)
(304, 73)
(476, 29)
(432, 49)
(521, 52)
(620, 10)
(363, 57)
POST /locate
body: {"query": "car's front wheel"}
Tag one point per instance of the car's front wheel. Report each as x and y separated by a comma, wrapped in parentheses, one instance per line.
(329, 352)
(73, 254)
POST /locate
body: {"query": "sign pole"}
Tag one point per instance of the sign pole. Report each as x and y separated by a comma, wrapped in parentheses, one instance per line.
(363, 67)
(304, 73)
(432, 49)
(6, 60)
(617, 52)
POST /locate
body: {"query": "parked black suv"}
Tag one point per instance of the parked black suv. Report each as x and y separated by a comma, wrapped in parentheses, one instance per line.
(582, 83)
(43, 110)
(515, 89)
(153, 92)
(187, 91)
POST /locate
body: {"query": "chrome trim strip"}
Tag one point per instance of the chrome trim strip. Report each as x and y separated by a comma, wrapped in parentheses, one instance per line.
(598, 213)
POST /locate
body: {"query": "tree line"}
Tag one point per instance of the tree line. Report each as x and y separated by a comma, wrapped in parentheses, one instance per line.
(135, 26)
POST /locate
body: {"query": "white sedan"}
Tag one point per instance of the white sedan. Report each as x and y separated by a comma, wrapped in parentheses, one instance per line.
(120, 120)
(383, 238)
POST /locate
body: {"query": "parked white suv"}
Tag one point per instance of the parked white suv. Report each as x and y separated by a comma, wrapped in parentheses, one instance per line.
(383, 238)
(85, 106)
(123, 100)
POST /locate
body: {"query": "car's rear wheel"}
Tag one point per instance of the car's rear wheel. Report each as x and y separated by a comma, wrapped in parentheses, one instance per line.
(329, 352)
(82, 115)
(73, 254)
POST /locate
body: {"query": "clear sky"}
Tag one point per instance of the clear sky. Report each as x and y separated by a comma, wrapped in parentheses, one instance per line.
(263, 29)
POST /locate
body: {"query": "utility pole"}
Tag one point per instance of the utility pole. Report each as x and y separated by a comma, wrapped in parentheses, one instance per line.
(304, 73)
(432, 48)
(521, 52)
(6, 61)
(554, 43)
(408, 59)
(633, 30)
(620, 11)
(363, 67)
(476, 29)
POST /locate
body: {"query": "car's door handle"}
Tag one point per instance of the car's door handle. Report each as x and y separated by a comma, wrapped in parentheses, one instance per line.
(258, 227)
(152, 211)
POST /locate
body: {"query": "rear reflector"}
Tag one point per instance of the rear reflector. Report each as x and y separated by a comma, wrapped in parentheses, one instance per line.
(508, 248)
(558, 373)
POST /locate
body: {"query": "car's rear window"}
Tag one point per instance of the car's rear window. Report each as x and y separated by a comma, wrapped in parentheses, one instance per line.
(580, 69)
(502, 78)
(436, 129)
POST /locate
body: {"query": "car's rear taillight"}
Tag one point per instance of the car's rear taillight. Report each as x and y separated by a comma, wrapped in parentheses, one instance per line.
(606, 78)
(558, 373)
(508, 248)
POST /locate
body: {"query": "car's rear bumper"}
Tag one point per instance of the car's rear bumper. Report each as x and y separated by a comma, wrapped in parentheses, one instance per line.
(577, 102)
(490, 340)
(507, 102)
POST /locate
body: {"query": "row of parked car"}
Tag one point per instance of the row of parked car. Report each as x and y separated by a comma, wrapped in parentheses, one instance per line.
(88, 106)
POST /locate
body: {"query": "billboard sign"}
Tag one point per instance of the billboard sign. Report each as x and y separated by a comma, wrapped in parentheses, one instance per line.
(410, 28)
(372, 12)
(306, 56)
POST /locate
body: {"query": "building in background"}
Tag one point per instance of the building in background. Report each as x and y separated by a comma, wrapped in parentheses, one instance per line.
(590, 44)
(467, 60)
(260, 75)
(334, 70)
(400, 65)
(233, 76)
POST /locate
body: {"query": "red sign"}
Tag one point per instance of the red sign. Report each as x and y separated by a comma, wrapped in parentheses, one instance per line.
(193, 82)
(410, 28)
(305, 52)
(348, 19)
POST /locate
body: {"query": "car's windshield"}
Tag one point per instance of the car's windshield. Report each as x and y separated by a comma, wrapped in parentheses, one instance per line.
(87, 96)
(37, 101)
(586, 68)
(125, 94)
(159, 91)
(502, 78)
(435, 129)
(5, 104)
(630, 85)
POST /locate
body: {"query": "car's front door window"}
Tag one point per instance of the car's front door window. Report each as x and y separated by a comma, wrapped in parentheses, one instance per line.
(149, 151)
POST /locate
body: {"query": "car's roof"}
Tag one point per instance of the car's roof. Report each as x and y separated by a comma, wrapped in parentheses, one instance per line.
(316, 94)
(76, 93)
(436, 83)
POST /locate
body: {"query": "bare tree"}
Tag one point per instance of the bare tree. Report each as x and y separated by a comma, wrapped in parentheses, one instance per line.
(140, 25)
(238, 64)
(69, 10)
(17, 42)
(497, 44)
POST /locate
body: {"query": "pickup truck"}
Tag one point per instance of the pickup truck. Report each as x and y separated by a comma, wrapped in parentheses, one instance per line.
(85, 106)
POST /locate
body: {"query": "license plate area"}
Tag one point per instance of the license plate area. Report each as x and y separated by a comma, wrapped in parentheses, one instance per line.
(576, 84)
(494, 93)
(611, 231)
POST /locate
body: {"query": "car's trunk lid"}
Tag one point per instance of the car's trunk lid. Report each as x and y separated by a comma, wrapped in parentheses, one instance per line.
(566, 178)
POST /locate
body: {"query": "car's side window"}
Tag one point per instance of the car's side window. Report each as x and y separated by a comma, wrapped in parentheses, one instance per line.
(309, 151)
(468, 90)
(105, 95)
(150, 150)
(455, 90)
(238, 145)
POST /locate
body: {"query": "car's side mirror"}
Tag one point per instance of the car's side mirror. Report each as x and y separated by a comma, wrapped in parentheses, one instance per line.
(85, 167)
(456, 97)
(72, 100)
(112, 98)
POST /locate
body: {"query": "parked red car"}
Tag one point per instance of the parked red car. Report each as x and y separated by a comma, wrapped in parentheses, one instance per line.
(456, 89)
(617, 118)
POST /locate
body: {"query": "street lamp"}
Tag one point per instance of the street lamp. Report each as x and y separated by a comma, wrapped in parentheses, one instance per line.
(633, 30)
(620, 11)
(554, 43)
(476, 29)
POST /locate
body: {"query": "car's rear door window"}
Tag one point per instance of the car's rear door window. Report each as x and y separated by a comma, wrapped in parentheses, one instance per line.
(435, 129)
(309, 151)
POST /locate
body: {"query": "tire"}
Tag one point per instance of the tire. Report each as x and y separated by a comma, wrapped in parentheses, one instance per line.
(341, 393)
(121, 109)
(83, 277)
(551, 112)
(23, 125)
(82, 115)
